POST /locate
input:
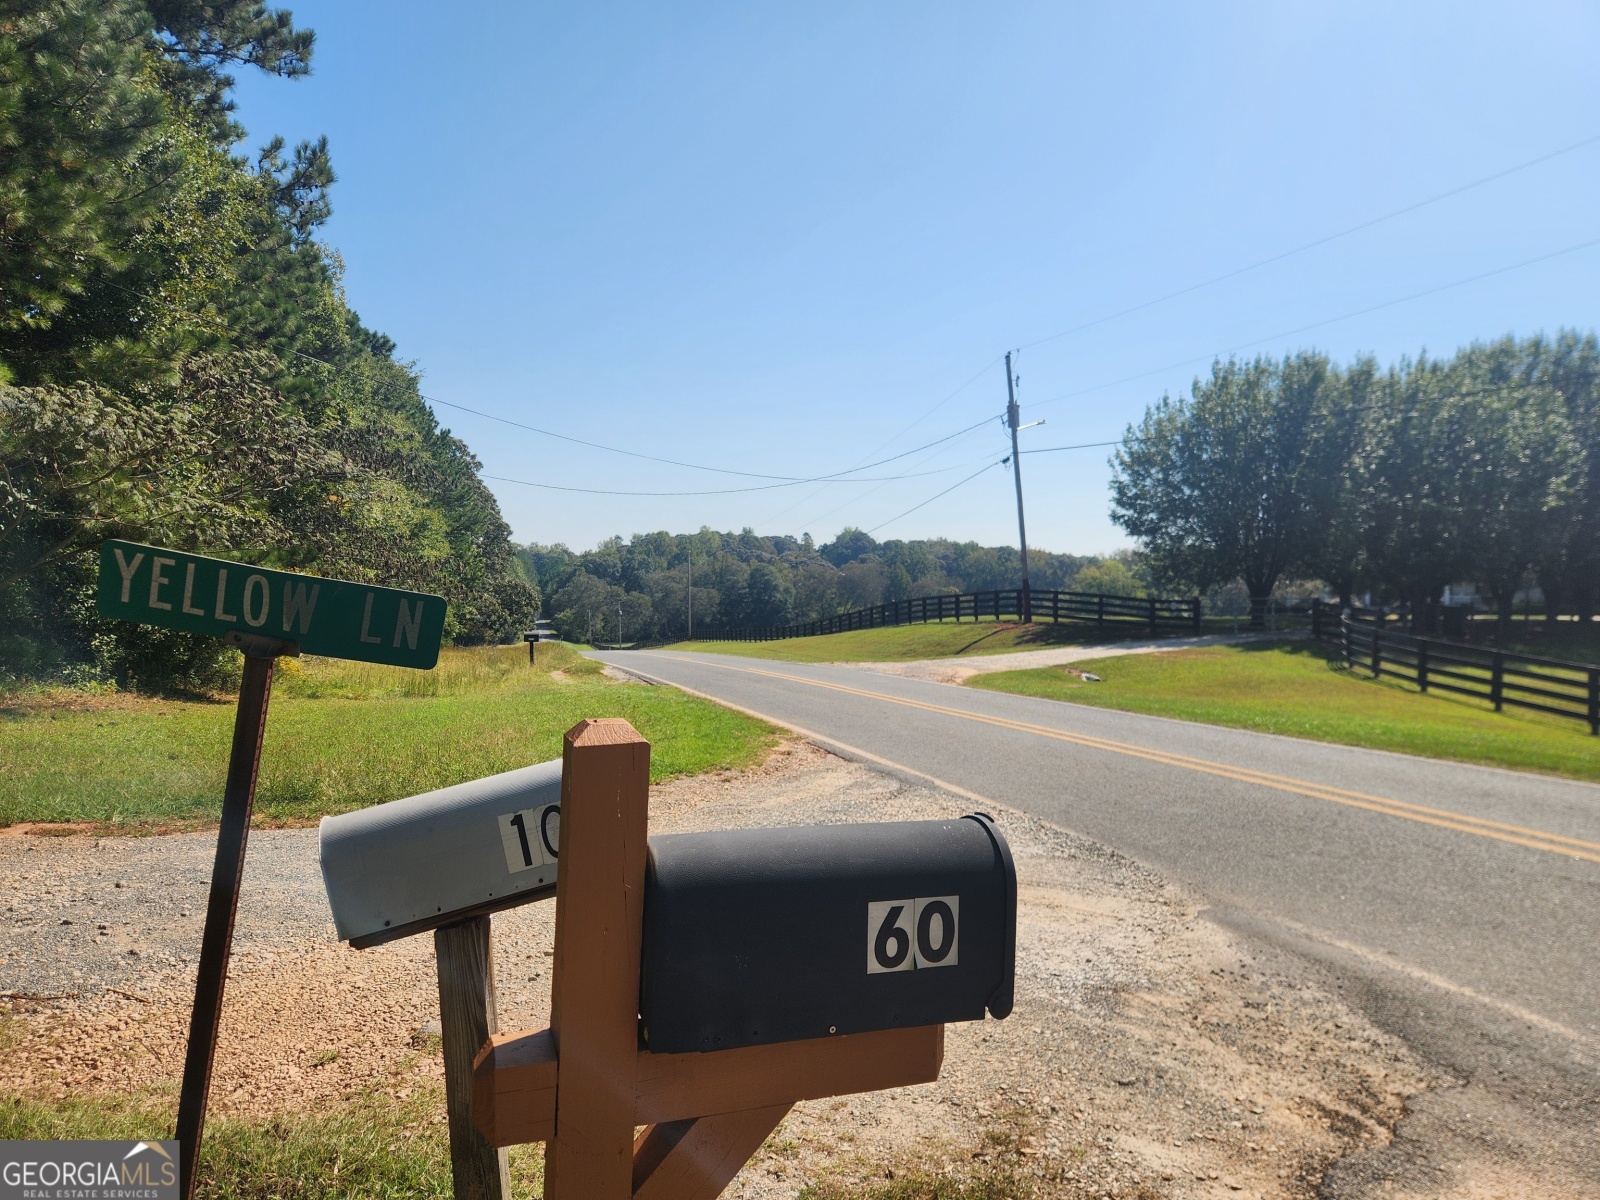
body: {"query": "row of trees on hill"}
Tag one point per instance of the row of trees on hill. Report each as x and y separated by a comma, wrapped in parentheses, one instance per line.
(1482, 469)
(177, 360)
(744, 580)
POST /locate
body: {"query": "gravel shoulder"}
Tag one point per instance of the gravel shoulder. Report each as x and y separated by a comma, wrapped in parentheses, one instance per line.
(1152, 1052)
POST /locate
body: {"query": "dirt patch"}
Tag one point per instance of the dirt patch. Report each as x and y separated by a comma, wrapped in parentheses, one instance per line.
(1149, 1054)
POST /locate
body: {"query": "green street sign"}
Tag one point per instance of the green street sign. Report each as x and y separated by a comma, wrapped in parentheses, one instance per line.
(332, 617)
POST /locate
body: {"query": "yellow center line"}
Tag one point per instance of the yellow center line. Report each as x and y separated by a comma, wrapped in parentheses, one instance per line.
(1535, 839)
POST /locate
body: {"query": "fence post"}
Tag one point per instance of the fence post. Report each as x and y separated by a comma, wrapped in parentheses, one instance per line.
(1152, 616)
(1316, 620)
(1422, 664)
(1594, 700)
(1377, 652)
(1497, 681)
(1344, 641)
(1099, 610)
(1194, 610)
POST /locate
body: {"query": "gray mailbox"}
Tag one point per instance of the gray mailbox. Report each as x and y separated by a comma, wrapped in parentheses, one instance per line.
(411, 865)
(774, 935)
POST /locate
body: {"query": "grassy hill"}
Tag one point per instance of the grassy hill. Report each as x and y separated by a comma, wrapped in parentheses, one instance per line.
(339, 736)
(1301, 690)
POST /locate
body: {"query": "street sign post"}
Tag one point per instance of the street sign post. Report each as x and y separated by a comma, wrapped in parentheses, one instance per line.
(265, 614)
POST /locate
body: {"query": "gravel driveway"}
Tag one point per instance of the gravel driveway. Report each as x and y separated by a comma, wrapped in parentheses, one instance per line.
(958, 670)
(1149, 1053)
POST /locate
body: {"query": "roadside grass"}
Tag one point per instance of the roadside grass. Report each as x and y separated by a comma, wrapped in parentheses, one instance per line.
(908, 643)
(1302, 690)
(339, 736)
(370, 1147)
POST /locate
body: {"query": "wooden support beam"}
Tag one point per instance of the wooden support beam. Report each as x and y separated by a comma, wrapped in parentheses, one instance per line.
(515, 1078)
(696, 1159)
(594, 1004)
(514, 1088)
(466, 1018)
(673, 1086)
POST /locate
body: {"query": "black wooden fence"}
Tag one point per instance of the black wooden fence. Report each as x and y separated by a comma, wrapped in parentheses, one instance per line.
(1151, 612)
(1549, 685)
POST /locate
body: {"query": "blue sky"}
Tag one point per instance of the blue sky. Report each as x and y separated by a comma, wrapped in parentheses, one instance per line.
(779, 239)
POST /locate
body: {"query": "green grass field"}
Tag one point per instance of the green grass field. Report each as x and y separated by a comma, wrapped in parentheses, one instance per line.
(1298, 689)
(339, 736)
(907, 643)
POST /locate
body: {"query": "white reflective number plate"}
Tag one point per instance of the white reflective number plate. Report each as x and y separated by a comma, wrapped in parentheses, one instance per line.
(903, 935)
(531, 837)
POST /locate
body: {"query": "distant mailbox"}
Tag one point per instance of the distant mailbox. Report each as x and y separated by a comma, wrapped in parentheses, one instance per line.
(775, 935)
(411, 865)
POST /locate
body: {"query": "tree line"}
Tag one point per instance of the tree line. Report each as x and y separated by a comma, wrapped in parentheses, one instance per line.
(647, 586)
(1482, 468)
(178, 363)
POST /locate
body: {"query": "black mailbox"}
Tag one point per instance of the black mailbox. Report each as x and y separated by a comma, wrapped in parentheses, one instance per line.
(773, 935)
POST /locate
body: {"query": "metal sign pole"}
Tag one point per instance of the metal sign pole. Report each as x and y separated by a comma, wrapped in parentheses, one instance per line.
(216, 945)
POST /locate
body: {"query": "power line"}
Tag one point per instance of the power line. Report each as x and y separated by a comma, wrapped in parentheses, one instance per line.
(932, 498)
(696, 466)
(760, 487)
(837, 475)
(1321, 241)
(858, 499)
(1433, 291)
(1080, 446)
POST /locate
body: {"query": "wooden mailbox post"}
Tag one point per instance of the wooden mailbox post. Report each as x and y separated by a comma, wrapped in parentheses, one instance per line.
(583, 1085)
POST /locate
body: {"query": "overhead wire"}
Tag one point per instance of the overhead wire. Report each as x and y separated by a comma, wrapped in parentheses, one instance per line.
(760, 487)
(1321, 241)
(1079, 446)
(946, 492)
(1360, 312)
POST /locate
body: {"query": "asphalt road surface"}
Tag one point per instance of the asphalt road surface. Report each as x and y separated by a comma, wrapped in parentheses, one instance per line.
(1458, 905)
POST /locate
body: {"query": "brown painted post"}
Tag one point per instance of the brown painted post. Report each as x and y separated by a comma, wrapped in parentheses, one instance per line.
(697, 1158)
(1594, 700)
(1497, 681)
(1422, 665)
(594, 1005)
(467, 1019)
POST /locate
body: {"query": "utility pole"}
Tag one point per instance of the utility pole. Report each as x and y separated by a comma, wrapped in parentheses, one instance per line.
(1012, 415)
(690, 638)
(619, 624)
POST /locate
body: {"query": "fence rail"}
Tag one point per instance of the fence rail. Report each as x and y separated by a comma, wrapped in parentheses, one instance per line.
(1502, 677)
(1151, 612)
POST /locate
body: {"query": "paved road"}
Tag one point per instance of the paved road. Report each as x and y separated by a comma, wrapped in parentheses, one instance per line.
(1460, 904)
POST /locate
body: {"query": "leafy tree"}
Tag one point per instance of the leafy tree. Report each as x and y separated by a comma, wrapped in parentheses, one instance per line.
(1216, 487)
(191, 372)
(769, 595)
(1113, 577)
